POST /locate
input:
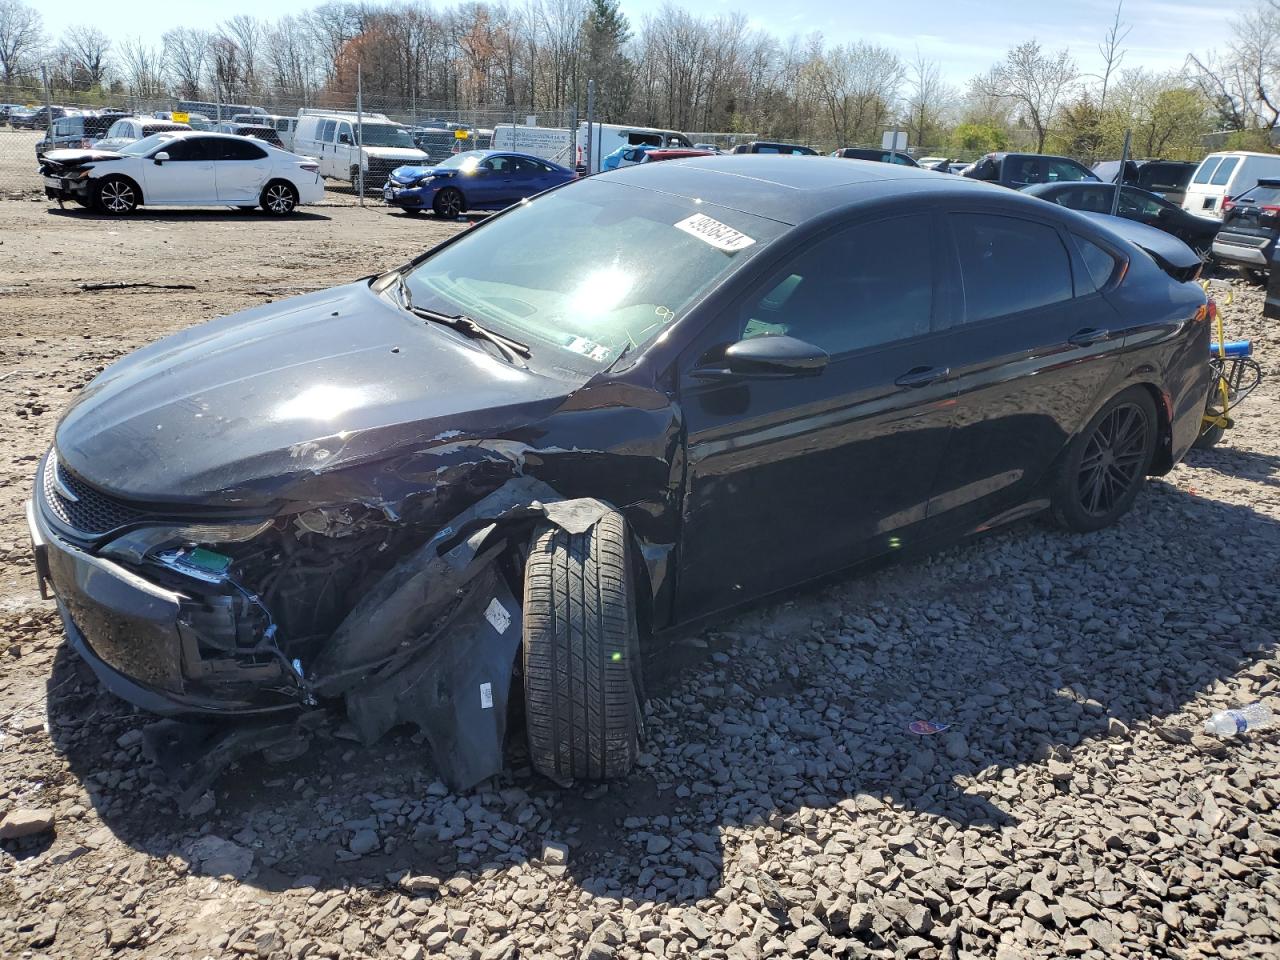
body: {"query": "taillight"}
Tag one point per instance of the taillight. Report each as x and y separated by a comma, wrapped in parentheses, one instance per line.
(1228, 205)
(310, 167)
(1273, 210)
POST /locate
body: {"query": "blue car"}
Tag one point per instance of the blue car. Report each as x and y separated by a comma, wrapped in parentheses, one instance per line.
(474, 180)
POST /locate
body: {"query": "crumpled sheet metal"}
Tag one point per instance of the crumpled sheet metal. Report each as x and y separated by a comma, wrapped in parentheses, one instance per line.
(435, 641)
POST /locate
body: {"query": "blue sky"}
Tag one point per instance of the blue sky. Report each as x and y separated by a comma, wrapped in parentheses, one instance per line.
(965, 36)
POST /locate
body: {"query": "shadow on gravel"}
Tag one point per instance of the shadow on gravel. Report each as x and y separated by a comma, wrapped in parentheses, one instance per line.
(799, 705)
(184, 215)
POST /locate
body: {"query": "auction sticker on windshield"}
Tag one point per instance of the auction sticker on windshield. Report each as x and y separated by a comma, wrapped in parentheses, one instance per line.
(719, 235)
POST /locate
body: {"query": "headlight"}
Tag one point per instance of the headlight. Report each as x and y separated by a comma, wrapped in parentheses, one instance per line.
(135, 545)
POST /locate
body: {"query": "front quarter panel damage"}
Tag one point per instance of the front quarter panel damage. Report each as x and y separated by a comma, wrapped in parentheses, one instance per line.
(434, 642)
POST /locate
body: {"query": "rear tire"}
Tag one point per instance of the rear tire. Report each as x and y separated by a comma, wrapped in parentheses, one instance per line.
(1107, 463)
(1253, 275)
(279, 198)
(580, 650)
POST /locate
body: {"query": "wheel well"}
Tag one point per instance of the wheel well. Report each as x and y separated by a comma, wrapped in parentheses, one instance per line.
(1162, 462)
(128, 179)
(288, 183)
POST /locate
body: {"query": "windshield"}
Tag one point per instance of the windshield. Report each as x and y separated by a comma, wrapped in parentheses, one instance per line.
(140, 148)
(385, 135)
(462, 161)
(592, 269)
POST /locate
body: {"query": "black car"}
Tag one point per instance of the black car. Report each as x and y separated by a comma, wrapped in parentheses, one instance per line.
(768, 146)
(37, 119)
(879, 156)
(1168, 178)
(256, 131)
(512, 463)
(1140, 205)
(76, 130)
(1250, 224)
(1017, 170)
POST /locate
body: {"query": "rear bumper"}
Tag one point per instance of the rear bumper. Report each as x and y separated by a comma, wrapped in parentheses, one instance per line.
(1243, 252)
(139, 638)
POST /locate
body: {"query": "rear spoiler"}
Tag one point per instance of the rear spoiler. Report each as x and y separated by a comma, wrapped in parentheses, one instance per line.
(1172, 255)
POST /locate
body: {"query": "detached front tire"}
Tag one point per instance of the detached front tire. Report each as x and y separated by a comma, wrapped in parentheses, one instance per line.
(580, 650)
(1107, 463)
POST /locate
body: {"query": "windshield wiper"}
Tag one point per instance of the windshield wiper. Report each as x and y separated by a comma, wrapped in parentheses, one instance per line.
(511, 349)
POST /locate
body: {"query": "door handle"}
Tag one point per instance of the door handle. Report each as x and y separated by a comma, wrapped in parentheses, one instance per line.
(922, 376)
(1088, 337)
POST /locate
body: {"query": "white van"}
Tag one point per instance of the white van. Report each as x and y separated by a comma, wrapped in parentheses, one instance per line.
(283, 126)
(557, 143)
(330, 136)
(1226, 174)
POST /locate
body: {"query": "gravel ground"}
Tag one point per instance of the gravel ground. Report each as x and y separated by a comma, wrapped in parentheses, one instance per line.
(781, 809)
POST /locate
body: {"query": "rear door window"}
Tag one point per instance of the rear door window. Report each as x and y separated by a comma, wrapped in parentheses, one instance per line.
(1162, 177)
(1059, 171)
(1207, 167)
(1100, 264)
(327, 132)
(1009, 265)
(1094, 199)
(1224, 171)
(239, 150)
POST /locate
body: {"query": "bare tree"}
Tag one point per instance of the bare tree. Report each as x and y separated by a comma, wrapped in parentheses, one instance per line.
(143, 67)
(188, 53)
(1244, 82)
(247, 34)
(856, 86)
(928, 101)
(21, 36)
(1112, 53)
(87, 48)
(1035, 81)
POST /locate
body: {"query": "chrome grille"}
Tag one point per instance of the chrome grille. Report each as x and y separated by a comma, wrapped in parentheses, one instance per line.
(91, 512)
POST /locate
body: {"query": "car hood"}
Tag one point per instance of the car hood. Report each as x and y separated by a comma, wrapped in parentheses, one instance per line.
(396, 153)
(79, 157)
(412, 172)
(245, 410)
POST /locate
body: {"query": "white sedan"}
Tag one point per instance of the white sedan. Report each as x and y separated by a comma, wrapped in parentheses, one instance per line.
(183, 169)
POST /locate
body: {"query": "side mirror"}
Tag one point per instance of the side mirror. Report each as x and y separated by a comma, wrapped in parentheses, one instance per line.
(767, 358)
(160, 157)
(344, 138)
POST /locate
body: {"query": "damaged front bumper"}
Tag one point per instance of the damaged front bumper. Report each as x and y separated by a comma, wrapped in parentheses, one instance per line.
(67, 188)
(433, 642)
(144, 640)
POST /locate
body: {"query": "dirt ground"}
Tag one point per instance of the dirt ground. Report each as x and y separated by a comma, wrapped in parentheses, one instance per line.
(781, 808)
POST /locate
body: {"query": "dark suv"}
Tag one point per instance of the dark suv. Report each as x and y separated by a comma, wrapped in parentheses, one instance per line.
(764, 146)
(879, 156)
(1016, 170)
(1250, 225)
(78, 130)
(1167, 178)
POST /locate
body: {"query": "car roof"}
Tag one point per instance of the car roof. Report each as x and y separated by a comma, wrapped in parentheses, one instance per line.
(779, 188)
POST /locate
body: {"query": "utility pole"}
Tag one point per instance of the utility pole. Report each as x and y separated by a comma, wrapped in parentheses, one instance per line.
(1124, 162)
(48, 103)
(591, 123)
(360, 134)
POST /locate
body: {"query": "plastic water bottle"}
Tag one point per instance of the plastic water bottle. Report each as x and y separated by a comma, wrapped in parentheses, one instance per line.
(1228, 723)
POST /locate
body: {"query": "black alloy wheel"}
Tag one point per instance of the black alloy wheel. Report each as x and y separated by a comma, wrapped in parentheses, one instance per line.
(448, 203)
(1106, 465)
(1113, 459)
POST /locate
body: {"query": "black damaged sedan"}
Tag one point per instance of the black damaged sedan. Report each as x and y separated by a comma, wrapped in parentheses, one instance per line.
(497, 476)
